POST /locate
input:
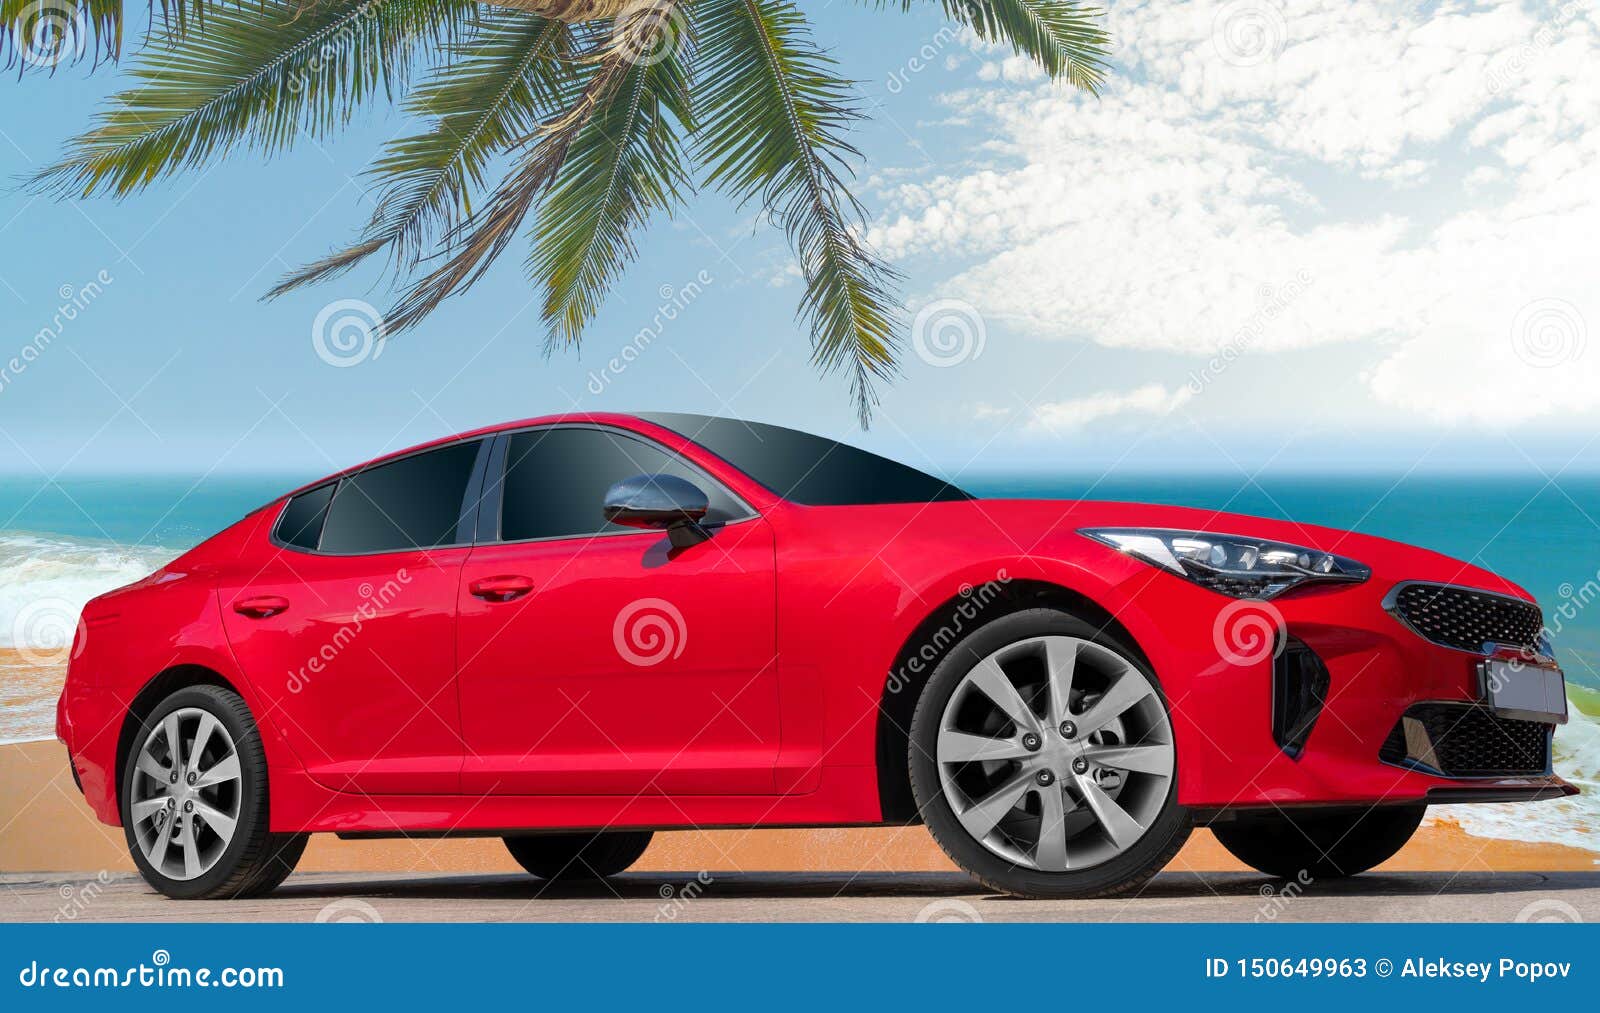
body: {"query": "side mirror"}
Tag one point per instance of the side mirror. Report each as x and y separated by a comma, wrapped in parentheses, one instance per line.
(659, 503)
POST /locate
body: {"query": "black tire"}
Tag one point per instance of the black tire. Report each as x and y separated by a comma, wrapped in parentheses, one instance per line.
(569, 857)
(256, 860)
(1124, 873)
(1319, 844)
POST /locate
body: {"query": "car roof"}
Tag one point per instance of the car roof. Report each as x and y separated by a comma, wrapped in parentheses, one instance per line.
(622, 420)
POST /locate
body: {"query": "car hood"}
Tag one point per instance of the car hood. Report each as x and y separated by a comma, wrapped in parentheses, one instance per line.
(1053, 525)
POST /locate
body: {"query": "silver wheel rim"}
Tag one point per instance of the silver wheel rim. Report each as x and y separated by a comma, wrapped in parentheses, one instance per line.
(1055, 753)
(186, 795)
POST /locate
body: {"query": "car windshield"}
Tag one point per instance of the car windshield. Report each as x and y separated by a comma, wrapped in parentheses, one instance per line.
(808, 469)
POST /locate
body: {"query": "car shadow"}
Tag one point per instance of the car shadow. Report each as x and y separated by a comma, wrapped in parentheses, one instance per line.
(812, 885)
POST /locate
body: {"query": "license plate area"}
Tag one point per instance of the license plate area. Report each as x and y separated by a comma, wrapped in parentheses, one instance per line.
(1524, 690)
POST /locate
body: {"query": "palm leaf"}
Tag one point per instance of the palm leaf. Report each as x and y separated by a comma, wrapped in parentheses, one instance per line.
(480, 240)
(1063, 37)
(512, 73)
(625, 163)
(772, 128)
(44, 34)
(260, 74)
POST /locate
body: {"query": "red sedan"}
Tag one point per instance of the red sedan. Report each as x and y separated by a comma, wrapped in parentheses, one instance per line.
(571, 632)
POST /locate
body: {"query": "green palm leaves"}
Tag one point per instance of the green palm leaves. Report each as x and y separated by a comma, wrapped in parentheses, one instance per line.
(593, 128)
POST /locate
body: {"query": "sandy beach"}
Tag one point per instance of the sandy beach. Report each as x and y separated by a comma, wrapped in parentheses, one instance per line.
(46, 827)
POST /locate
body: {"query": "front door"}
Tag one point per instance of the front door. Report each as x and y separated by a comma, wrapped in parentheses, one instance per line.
(595, 659)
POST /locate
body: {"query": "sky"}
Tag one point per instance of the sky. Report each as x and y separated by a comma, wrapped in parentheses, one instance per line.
(1315, 237)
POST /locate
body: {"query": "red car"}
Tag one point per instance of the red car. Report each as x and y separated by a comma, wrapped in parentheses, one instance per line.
(573, 631)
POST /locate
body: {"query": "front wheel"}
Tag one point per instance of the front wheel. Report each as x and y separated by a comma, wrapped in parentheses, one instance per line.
(1043, 761)
(194, 800)
(1326, 844)
(578, 856)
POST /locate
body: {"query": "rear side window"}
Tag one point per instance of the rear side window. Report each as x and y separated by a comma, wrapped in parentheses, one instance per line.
(556, 481)
(413, 503)
(301, 523)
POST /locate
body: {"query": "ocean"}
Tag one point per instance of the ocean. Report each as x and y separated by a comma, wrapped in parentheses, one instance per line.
(63, 543)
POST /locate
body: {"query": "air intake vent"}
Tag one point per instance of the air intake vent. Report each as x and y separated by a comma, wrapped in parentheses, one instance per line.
(1467, 740)
(1299, 688)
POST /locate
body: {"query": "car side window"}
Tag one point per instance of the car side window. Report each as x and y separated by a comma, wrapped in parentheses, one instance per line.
(300, 525)
(556, 481)
(413, 503)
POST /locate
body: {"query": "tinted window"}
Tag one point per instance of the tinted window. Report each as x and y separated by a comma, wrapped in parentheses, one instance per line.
(808, 469)
(413, 503)
(556, 481)
(301, 523)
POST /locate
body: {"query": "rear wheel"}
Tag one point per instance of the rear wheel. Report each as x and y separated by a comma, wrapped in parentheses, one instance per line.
(578, 856)
(1042, 760)
(1319, 844)
(194, 800)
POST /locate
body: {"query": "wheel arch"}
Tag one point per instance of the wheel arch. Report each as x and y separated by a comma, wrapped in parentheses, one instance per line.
(157, 689)
(945, 626)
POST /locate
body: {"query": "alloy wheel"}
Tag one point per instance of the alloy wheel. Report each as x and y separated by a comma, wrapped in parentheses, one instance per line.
(184, 805)
(1055, 753)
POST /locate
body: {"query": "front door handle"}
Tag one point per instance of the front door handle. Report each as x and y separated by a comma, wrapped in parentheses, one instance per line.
(502, 588)
(261, 606)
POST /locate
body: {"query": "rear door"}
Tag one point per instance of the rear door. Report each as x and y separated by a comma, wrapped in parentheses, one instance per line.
(348, 628)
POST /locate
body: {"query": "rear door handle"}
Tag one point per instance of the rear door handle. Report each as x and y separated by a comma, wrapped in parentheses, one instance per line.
(261, 606)
(502, 588)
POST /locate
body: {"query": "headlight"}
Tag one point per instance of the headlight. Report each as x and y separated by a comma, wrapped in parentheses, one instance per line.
(1230, 565)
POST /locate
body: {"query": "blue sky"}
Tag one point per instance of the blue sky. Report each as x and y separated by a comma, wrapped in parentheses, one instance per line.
(1347, 236)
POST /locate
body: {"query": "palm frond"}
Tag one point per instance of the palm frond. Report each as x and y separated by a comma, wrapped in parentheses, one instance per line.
(480, 240)
(45, 34)
(625, 163)
(260, 74)
(772, 127)
(514, 72)
(1063, 37)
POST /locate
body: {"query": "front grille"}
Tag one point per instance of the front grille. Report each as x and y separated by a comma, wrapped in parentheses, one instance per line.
(1467, 740)
(1465, 619)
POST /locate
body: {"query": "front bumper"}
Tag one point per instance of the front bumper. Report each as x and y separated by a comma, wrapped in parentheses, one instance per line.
(1237, 751)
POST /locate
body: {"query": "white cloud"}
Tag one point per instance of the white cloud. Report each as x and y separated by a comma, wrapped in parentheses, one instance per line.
(1433, 173)
(1150, 399)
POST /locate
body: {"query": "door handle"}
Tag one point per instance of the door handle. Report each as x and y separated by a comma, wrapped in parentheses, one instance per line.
(261, 606)
(502, 588)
